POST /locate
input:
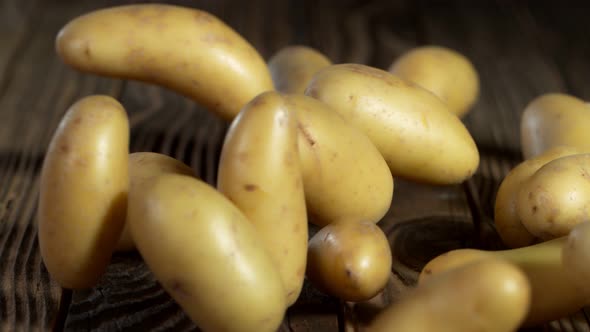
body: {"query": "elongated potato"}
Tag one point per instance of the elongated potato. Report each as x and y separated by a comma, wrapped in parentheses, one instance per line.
(554, 292)
(83, 192)
(293, 67)
(259, 172)
(554, 119)
(206, 255)
(344, 175)
(508, 223)
(184, 49)
(350, 260)
(142, 167)
(555, 199)
(415, 132)
(490, 295)
(443, 71)
(576, 253)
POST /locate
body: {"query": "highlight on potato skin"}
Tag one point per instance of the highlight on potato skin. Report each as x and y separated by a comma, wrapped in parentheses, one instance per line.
(292, 67)
(186, 50)
(83, 191)
(443, 71)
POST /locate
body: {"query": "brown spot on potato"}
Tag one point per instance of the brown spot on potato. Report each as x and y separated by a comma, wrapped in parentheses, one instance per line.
(308, 137)
(250, 187)
(64, 148)
(179, 288)
(427, 271)
(534, 209)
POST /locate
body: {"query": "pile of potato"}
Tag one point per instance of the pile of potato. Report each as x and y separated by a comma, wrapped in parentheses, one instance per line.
(309, 141)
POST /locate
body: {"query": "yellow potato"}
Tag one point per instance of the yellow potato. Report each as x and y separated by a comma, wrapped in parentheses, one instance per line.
(83, 191)
(350, 260)
(292, 67)
(259, 172)
(554, 119)
(576, 253)
(508, 224)
(489, 295)
(184, 49)
(415, 132)
(555, 199)
(206, 255)
(344, 175)
(443, 71)
(142, 167)
(554, 292)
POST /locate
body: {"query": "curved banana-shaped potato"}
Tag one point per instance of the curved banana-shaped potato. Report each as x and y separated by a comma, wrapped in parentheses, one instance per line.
(554, 119)
(508, 224)
(555, 199)
(490, 295)
(206, 255)
(184, 49)
(344, 175)
(576, 253)
(415, 132)
(293, 67)
(443, 71)
(259, 172)
(350, 260)
(554, 292)
(142, 167)
(83, 192)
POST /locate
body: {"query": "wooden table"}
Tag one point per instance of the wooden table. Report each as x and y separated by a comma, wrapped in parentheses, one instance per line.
(520, 52)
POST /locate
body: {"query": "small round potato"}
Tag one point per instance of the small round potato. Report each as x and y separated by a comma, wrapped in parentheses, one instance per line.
(344, 175)
(83, 191)
(414, 130)
(183, 49)
(554, 292)
(142, 167)
(488, 295)
(554, 119)
(576, 253)
(508, 223)
(293, 67)
(350, 260)
(259, 172)
(555, 199)
(206, 255)
(442, 71)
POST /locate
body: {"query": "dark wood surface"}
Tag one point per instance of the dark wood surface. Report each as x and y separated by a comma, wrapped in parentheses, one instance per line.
(520, 52)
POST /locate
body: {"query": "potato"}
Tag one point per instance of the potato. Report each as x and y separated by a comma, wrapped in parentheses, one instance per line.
(554, 119)
(555, 199)
(576, 253)
(259, 172)
(142, 167)
(349, 259)
(206, 255)
(488, 295)
(292, 67)
(554, 292)
(508, 224)
(444, 72)
(415, 132)
(83, 191)
(344, 175)
(183, 49)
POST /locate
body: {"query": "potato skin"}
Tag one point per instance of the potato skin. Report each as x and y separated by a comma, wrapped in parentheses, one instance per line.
(292, 67)
(554, 119)
(487, 295)
(443, 71)
(508, 224)
(555, 199)
(183, 49)
(344, 175)
(576, 254)
(554, 292)
(142, 167)
(83, 191)
(407, 123)
(350, 260)
(259, 172)
(206, 255)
